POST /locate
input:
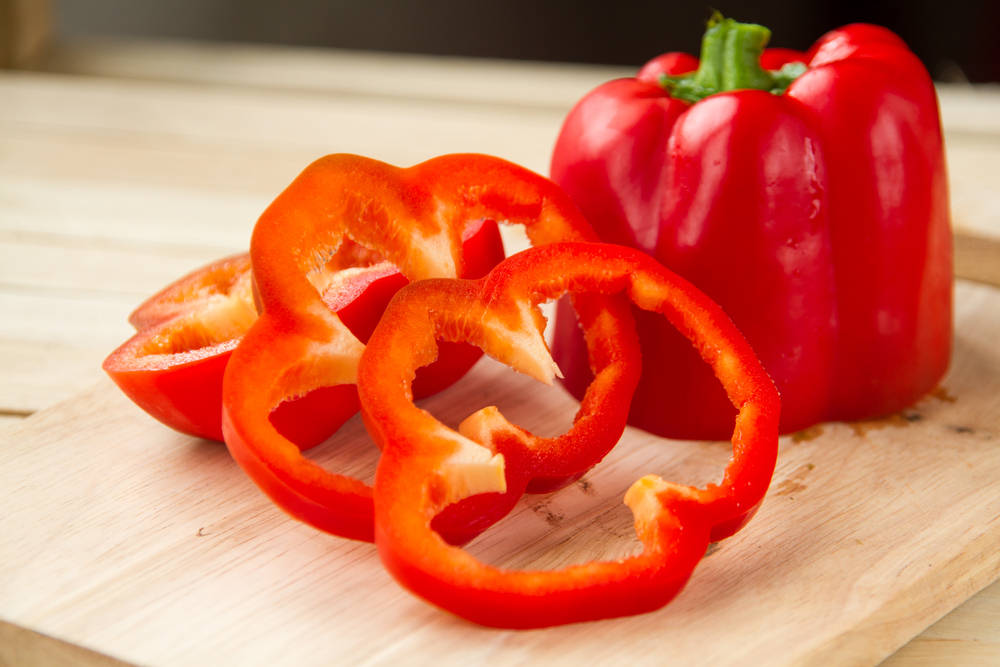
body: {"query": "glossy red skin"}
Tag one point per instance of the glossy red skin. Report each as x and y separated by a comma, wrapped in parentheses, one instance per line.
(186, 396)
(818, 219)
(184, 390)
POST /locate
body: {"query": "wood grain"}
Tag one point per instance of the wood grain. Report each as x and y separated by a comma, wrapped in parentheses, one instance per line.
(154, 548)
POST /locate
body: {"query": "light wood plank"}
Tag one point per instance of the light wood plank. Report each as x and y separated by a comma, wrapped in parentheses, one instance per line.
(82, 267)
(39, 373)
(976, 620)
(973, 163)
(48, 318)
(164, 120)
(52, 341)
(7, 419)
(925, 652)
(967, 637)
(405, 76)
(92, 215)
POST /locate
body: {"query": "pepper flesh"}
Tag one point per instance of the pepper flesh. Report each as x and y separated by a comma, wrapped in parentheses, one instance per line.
(413, 218)
(425, 466)
(817, 218)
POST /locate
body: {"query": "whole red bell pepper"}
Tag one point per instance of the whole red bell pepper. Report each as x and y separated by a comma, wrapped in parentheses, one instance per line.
(427, 469)
(809, 201)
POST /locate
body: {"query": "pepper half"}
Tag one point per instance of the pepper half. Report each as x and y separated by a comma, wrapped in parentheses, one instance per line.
(185, 334)
(172, 367)
(411, 219)
(426, 467)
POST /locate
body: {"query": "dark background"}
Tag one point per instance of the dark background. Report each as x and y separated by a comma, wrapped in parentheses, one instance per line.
(957, 40)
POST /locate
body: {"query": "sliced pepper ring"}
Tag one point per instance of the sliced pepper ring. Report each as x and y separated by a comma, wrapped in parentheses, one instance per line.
(413, 218)
(425, 466)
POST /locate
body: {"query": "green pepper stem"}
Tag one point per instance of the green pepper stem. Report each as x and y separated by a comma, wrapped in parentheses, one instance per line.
(730, 60)
(730, 56)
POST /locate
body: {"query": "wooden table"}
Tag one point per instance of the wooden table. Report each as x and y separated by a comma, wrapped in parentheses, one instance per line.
(125, 165)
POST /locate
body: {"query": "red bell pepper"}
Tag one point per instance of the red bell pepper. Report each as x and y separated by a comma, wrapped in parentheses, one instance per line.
(412, 218)
(810, 203)
(427, 469)
(173, 367)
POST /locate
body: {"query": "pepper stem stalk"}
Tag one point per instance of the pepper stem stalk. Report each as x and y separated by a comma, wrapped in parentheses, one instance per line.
(730, 60)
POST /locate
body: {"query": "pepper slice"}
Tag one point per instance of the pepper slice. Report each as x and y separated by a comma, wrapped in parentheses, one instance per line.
(173, 366)
(425, 467)
(412, 218)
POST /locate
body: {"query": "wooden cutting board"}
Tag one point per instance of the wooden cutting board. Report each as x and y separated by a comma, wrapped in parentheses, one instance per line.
(122, 537)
